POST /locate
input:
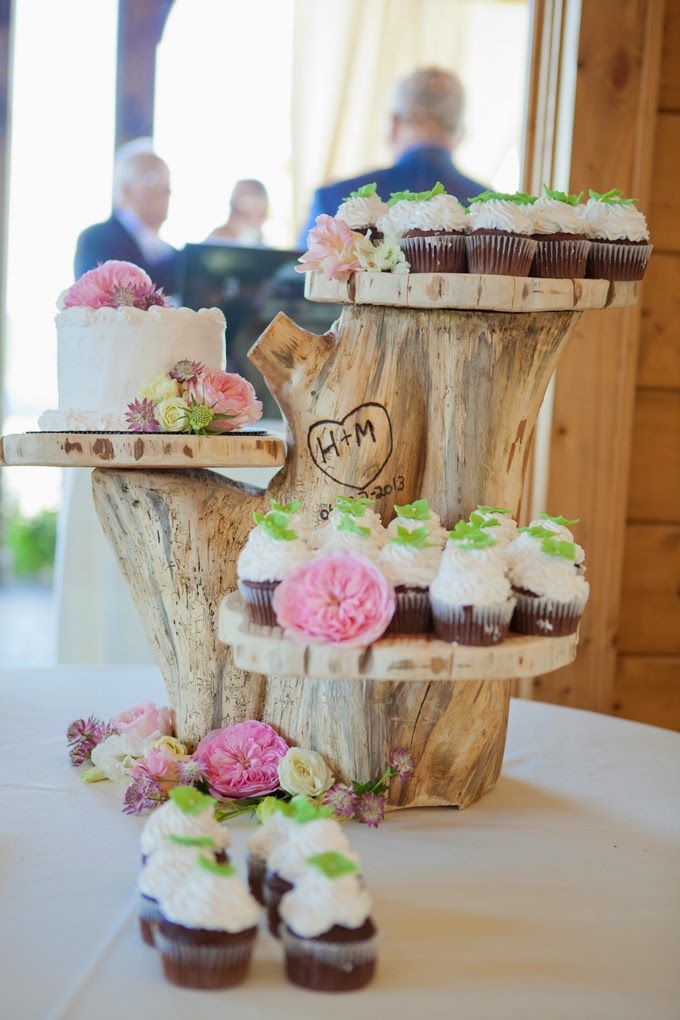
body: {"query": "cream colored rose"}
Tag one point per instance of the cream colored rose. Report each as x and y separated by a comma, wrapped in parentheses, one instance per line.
(303, 771)
(171, 743)
(161, 387)
(172, 414)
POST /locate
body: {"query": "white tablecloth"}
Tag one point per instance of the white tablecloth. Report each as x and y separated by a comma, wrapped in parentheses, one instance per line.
(556, 896)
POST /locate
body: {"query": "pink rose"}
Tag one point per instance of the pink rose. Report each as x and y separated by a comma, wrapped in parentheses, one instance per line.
(331, 249)
(145, 720)
(226, 393)
(159, 764)
(242, 760)
(341, 598)
(111, 285)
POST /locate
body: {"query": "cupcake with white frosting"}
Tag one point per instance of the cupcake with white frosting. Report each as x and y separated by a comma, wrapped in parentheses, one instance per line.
(620, 247)
(410, 561)
(362, 209)
(297, 517)
(187, 812)
(349, 534)
(548, 583)
(172, 861)
(359, 509)
(500, 234)
(271, 833)
(498, 521)
(418, 515)
(207, 928)
(559, 229)
(431, 225)
(328, 935)
(273, 547)
(471, 598)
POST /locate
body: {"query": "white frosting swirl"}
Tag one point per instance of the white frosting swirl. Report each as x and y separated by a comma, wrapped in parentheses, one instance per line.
(442, 212)
(432, 525)
(471, 576)
(554, 217)
(167, 868)
(505, 531)
(369, 519)
(264, 558)
(405, 564)
(361, 212)
(317, 903)
(348, 541)
(169, 820)
(305, 839)
(209, 901)
(551, 576)
(273, 831)
(559, 529)
(612, 221)
(82, 316)
(501, 214)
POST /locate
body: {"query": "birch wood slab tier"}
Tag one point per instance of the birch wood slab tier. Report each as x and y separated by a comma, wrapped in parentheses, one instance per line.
(471, 291)
(140, 450)
(266, 650)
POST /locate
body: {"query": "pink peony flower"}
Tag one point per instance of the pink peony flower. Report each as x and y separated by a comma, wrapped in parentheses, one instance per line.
(226, 393)
(341, 597)
(111, 285)
(331, 249)
(145, 720)
(242, 760)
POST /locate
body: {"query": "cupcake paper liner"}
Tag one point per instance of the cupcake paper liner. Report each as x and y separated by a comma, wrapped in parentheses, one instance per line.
(560, 260)
(257, 596)
(435, 253)
(257, 868)
(274, 889)
(472, 625)
(546, 617)
(412, 614)
(500, 254)
(149, 916)
(609, 260)
(195, 965)
(329, 966)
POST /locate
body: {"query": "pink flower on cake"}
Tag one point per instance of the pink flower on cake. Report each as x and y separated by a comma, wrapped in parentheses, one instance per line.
(160, 764)
(330, 249)
(226, 393)
(242, 760)
(112, 285)
(141, 416)
(340, 598)
(145, 720)
(186, 371)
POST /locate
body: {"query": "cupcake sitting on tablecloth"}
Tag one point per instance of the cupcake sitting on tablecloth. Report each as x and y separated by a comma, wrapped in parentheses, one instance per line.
(431, 225)
(500, 234)
(560, 230)
(273, 548)
(620, 247)
(418, 515)
(410, 561)
(362, 209)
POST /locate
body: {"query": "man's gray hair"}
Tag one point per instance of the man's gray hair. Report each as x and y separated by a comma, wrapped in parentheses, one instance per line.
(124, 165)
(430, 94)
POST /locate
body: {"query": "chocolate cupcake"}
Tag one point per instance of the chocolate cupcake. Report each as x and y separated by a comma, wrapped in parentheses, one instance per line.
(170, 863)
(328, 936)
(548, 583)
(500, 230)
(620, 247)
(418, 515)
(271, 833)
(362, 209)
(431, 225)
(410, 561)
(187, 812)
(471, 599)
(272, 548)
(207, 928)
(559, 229)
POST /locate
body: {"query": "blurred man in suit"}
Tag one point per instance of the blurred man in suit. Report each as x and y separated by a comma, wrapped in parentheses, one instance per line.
(425, 128)
(141, 194)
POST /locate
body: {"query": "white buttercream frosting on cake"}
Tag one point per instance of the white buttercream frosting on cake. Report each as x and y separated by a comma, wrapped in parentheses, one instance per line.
(210, 901)
(504, 531)
(554, 217)
(167, 868)
(368, 519)
(318, 903)
(432, 525)
(170, 820)
(550, 576)
(409, 565)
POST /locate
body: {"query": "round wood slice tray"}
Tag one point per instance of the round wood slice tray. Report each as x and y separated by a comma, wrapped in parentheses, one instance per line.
(142, 450)
(265, 650)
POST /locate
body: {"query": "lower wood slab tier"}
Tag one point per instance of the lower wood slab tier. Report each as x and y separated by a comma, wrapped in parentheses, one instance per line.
(141, 450)
(265, 650)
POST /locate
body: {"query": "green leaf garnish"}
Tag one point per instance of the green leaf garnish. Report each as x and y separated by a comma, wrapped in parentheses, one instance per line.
(537, 531)
(611, 197)
(519, 197)
(416, 539)
(470, 537)
(558, 547)
(223, 870)
(332, 864)
(365, 191)
(304, 810)
(559, 519)
(354, 505)
(286, 508)
(562, 196)
(416, 196)
(419, 510)
(205, 841)
(479, 521)
(191, 801)
(276, 524)
(270, 806)
(348, 524)
(492, 510)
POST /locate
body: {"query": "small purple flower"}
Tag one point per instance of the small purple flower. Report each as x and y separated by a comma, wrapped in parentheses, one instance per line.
(402, 763)
(141, 416)
(83, 735)
(186, 371)
(143, 794)
(342, 799)
(190, 772)
(370, 809)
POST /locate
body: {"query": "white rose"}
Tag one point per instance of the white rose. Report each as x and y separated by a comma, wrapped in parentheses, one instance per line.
(172, 414)
(303, 771)
(161, 387)
(116, 755)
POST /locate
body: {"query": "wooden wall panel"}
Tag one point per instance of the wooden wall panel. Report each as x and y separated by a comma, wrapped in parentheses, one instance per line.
(669, 91)
(664, 211)
(659, 354)
(650, 604)
(654, 493)
(647, 689)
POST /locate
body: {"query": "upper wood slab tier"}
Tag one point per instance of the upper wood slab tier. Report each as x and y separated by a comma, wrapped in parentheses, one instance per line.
(141, 450)
(468, 291)
(265, 650)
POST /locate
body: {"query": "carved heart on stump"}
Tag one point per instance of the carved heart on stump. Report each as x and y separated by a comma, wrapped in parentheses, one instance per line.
(353, 450)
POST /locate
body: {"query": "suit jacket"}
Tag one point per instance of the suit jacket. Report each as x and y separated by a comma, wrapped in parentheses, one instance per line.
(418, 169)
(110, 240)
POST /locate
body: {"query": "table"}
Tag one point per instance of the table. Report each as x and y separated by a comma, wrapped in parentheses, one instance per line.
(555, 896)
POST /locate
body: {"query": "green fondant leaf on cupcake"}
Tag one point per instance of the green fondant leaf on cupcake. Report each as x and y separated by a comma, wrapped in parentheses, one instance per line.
(223, 870)
(269, 806)
(333, 864)
(416, 196)
(365, 191)
(611, 197)
(419, 510)
(558, 547)
(416, 539)
(354, 505)
(304, 810)
(191, 801)
(201, 841)
(492, 510)
(350, 526)
(562, 196)
(276, 524)
(565, 522)
(479, 521)
(287, 508)
(519, 197)
(537, 531)
(470, 537)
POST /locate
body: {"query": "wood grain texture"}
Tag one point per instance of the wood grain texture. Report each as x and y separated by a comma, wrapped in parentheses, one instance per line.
(265, 650)
(650, 607)
(141, 450)
(647, 689)
(654, 493)
(669, 91)
(659, 354)
(664, 211)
